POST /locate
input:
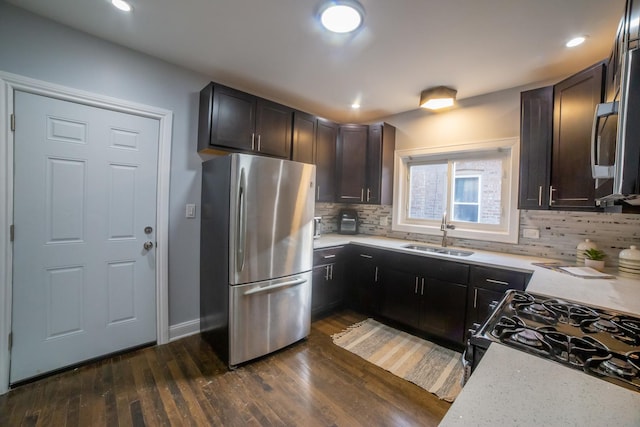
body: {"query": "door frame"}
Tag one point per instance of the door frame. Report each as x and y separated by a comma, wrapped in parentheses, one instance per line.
(9, 83)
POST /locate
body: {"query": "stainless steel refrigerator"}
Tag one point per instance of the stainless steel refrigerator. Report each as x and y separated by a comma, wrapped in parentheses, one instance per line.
(256, 254)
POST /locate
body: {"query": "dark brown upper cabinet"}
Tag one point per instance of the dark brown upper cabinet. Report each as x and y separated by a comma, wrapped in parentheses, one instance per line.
(314, 141)
(574, 102)
(536, 136)
(232, 120)
(365, 163)
(555, 137)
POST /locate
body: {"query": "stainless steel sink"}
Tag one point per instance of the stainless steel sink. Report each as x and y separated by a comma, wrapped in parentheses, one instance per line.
(438, 250)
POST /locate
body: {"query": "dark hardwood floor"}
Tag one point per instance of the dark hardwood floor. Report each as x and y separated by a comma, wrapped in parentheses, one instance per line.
(312, 383)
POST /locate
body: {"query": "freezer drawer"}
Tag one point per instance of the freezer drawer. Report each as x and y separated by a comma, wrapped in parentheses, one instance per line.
(267, 316)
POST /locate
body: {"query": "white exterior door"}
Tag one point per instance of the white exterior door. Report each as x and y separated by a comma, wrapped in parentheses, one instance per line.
(85, 205)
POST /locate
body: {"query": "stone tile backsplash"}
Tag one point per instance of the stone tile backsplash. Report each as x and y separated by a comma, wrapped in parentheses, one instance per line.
(560, 231)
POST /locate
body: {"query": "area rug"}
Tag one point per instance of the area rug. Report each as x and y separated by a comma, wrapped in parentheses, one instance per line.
(430, 366)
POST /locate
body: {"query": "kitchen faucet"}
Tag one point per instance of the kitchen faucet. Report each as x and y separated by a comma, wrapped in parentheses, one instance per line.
(444, 227)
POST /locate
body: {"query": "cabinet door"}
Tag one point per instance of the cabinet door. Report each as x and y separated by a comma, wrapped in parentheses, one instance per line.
(575, 100)
(536, 131)
(443, 309)
(479, 301)
(374, 164)
(232, 118)
(325, 159)
(380, 150)
(318, 288)
(351, 163)
(304, 138)
(273, 129)
(400, 299)
(364, 289)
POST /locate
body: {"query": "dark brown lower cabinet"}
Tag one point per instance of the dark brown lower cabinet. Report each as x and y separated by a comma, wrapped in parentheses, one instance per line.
(327, 292)
(400, 299)
(443, 309)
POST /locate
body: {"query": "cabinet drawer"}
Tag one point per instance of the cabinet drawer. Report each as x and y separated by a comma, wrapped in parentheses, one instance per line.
(326, 255)
(498, 279)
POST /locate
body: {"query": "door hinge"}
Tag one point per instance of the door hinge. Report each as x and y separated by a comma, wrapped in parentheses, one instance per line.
(10, 340)
(11, 232)
(13, 122)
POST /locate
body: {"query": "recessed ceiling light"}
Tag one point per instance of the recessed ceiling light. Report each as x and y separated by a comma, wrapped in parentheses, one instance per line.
(355, 105)
(122, 5)
(341, 16)
(575, 42)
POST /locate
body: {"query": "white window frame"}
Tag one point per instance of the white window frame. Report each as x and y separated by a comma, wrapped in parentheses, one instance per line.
(507, 233)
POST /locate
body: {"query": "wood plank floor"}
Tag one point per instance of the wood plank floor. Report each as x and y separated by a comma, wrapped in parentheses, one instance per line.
(312, 383)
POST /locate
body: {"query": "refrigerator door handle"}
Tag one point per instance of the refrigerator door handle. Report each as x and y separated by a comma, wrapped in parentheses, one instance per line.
(276, 286)
(241, 229)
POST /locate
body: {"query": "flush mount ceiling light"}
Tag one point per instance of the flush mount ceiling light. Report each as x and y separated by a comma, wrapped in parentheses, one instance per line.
(341, 16)
(122, 5)
(575, 42)
(437, 97)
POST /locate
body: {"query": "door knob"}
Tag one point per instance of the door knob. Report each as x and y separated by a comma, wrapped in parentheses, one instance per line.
(147, 245)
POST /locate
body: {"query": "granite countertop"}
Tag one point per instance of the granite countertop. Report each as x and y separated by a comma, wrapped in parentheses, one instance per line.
(511, 387)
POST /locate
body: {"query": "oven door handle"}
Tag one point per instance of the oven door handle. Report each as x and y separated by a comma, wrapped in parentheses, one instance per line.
(602, 110)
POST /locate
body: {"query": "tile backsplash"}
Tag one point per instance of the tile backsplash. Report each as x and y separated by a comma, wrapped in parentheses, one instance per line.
(560, 231)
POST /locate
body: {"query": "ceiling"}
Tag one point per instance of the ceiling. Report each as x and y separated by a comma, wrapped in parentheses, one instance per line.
(275, 48)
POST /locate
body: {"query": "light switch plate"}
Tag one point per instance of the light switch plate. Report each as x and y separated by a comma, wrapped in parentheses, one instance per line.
(531, 233)
(190, 211)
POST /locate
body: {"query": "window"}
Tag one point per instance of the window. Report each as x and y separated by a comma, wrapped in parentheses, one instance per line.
(475, 186)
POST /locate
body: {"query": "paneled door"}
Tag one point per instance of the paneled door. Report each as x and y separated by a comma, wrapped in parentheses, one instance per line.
(85, 219)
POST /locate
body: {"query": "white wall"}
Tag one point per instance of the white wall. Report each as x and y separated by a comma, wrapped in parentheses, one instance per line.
(482, 118)
(34, 47)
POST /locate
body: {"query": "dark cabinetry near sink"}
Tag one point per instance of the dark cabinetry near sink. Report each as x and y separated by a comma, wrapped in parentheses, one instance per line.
(428, 295)
(555, 134)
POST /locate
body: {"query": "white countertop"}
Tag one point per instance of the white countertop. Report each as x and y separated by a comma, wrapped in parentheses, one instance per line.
(511, 387)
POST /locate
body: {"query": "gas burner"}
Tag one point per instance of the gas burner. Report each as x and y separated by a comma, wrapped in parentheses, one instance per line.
(570, 313)
(619, 367)
(529, 337)
(538, 308)
(605, 326)
(521, 299)
(575, 351)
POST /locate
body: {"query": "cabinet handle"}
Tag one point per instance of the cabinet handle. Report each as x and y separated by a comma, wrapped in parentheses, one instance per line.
(331, 272)
(375, 278)
(253, 141)
(362, 194)
(329, 256)
(551, 190)
(326, 274)
(422, 289)
(416, 291)
(540, 196)
(318, 193)
(259, 145)
(368, 194)
(475, 298)
(366, 256)
(497, 282)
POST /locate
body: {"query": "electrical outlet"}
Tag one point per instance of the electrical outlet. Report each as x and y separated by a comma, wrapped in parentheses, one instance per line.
(531, 233)
(384, 220)
(190, 211)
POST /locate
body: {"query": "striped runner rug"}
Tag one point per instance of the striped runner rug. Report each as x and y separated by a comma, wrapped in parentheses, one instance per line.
(430, 366)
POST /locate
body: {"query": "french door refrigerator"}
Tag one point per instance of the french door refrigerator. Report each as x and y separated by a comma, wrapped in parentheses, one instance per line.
(256, 254)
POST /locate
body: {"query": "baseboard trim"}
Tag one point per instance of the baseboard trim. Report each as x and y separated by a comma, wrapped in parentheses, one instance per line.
(184, 329)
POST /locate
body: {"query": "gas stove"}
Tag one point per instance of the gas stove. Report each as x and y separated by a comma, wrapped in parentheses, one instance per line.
(602, 343)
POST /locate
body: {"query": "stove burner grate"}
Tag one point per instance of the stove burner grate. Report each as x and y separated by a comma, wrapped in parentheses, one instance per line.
(619, 367)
